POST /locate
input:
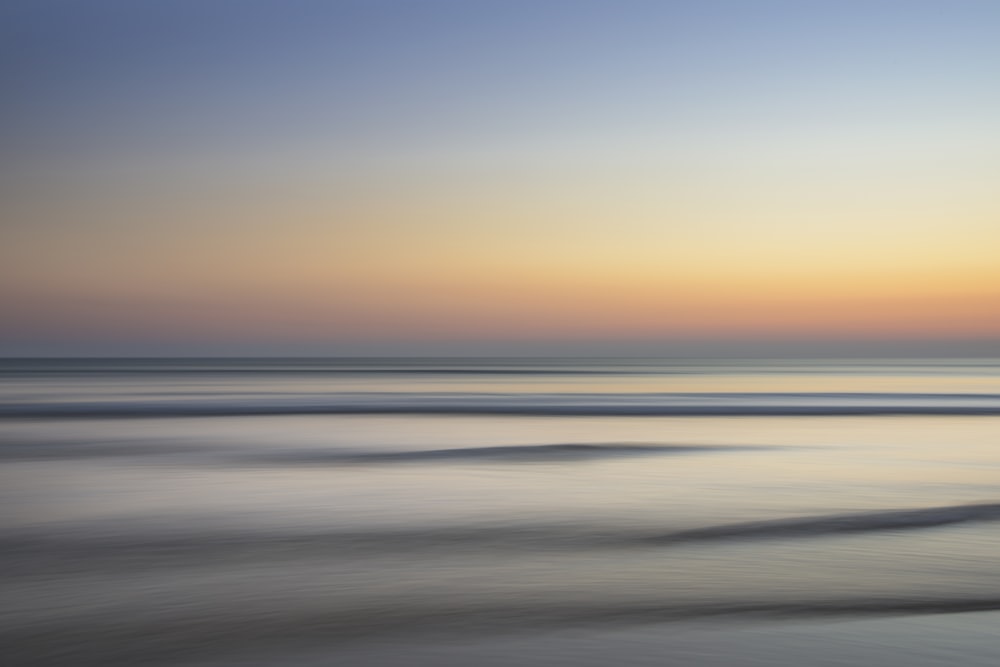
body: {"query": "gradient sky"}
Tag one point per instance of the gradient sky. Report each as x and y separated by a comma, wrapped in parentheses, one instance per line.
(500, 176)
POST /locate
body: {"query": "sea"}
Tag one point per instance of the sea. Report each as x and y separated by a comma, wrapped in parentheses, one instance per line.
(482, 512)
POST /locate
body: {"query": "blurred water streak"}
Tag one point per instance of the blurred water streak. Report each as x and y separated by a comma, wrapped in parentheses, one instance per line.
(375, 512)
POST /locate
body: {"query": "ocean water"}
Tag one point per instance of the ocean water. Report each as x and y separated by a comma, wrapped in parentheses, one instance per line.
(495, 512)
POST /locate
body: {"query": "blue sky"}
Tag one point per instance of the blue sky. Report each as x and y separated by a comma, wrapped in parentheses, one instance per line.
(314, 174)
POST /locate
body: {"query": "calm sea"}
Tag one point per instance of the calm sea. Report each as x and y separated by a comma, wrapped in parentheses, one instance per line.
(488, 512)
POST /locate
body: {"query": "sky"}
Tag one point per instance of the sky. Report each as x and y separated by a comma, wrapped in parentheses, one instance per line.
(611, 177)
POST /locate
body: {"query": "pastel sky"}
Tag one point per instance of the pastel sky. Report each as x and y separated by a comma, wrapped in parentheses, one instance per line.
(499, 176)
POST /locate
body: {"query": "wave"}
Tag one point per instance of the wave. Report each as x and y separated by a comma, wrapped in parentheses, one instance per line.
(41, 450)
(110, 548)
(108, 371)
(548, 453)
(523, 404)
(173, 637)
(812, 526)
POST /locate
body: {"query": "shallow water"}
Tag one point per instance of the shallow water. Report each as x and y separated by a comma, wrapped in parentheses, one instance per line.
(500, 512)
